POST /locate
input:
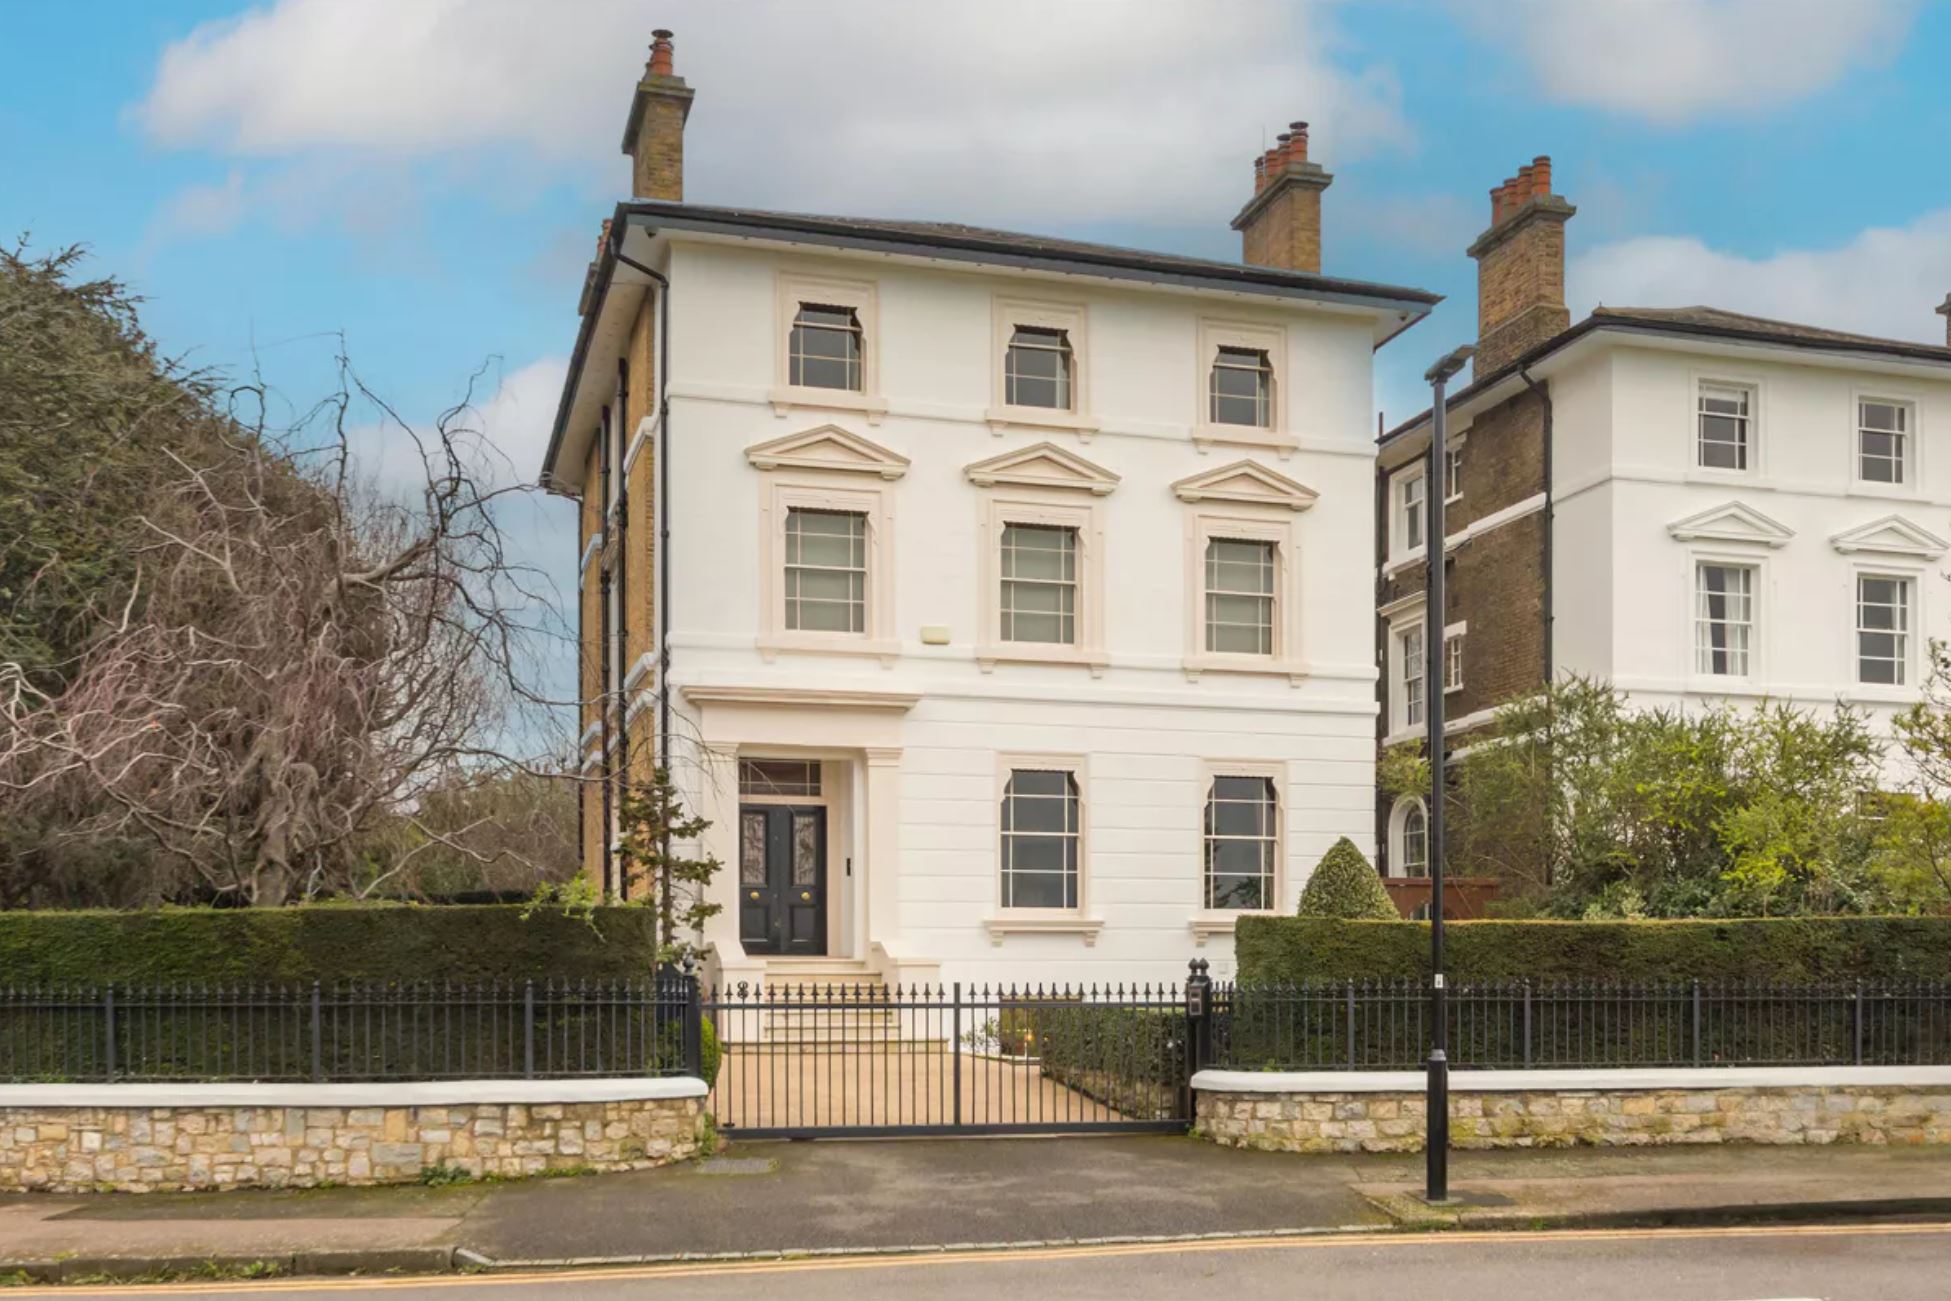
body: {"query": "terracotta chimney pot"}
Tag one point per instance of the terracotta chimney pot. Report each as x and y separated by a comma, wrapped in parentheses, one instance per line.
(661, 64)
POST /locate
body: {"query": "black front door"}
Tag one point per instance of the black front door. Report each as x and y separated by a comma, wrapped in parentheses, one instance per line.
(782, 878)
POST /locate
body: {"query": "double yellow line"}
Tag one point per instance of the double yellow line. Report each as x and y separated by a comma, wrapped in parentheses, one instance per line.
(826, 1264)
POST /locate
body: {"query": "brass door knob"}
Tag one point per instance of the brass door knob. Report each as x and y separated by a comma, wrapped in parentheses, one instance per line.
(806, 896)
(755, 894)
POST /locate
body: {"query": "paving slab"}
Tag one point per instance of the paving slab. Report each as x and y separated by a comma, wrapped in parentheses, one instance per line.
(1673, 1185)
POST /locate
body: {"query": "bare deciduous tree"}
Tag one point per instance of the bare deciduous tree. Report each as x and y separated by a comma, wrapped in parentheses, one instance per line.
(306, 652)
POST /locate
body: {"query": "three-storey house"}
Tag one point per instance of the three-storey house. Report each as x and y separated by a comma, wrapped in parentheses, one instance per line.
(988, 593)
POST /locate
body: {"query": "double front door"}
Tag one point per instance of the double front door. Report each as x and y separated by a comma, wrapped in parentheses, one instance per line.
(782, 878)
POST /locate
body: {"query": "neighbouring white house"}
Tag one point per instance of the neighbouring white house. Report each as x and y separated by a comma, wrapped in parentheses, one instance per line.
(1008, 590)
(1697, 505)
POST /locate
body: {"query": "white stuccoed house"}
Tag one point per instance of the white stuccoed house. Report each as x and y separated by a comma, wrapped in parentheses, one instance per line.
(1014, 596)
(1701, 506)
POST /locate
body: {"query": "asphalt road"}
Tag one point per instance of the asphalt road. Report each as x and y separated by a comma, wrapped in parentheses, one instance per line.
(1885, 1262)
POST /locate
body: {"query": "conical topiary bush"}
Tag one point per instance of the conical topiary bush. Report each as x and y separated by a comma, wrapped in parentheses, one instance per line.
(1345, 884)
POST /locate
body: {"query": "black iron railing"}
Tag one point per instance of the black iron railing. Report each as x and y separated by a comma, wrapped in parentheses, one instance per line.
(803, 1060)
(348, 1032)
(1384, 1025)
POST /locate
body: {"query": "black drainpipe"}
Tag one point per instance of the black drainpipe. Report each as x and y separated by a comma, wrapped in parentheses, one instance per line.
(662, 506)
(1381, 549)
(603, 637)
(622, 631)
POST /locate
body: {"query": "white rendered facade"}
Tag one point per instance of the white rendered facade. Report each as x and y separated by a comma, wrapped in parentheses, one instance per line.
(1692, 583)
(919, 717)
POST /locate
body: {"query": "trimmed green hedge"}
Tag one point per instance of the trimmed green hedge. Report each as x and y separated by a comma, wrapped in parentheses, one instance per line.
(1272, 949)
(327, 942)
(1132, 1059)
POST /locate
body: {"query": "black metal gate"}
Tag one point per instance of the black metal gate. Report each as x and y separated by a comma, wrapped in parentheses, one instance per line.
(834, 1061)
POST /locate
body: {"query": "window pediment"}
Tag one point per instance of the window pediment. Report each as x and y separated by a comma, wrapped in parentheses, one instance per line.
(1044, 465)
(827, 447)
(1731, 522)
(1893, 535)
(1248, 483)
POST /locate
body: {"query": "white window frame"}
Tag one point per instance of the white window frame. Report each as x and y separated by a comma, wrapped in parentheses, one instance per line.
(1399, 545)
(1912, 577)
(1756, 432)
(1913, 471)
(1398, 838)
(1247, 524)
(1453, 656)
(1213, 334)
(1056, 509)
(782, 494)
(1074, 319)
(1697, 623)
(1210, 920)
(1403, 616)
(1453, 470)
(1002, 921)
(794, 288)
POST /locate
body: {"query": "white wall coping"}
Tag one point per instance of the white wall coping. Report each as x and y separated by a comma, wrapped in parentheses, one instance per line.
(415, 1093)
(1701, 1079)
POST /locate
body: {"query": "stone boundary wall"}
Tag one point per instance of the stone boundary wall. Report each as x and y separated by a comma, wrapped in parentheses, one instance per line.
(1383, 1111)
(166, 1138)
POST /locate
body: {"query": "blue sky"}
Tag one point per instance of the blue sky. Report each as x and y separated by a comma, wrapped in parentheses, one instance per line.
(427, 175)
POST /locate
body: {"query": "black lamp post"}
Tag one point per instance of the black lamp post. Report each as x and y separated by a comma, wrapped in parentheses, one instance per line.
(1435, 487)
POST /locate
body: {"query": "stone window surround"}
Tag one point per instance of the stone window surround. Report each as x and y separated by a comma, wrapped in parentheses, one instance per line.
(1758, 458)
(1059, 509)
(1753, 557)
(1008, 312)
(1208, 922)
(1912, 487)
(1914, 575)
(783, 492)
(1002, 922)
(1248, 523)
(1214, 333)
(794, 287)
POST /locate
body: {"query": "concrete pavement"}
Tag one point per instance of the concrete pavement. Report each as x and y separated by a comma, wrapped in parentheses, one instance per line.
(1896, 1262)
(784, 1198)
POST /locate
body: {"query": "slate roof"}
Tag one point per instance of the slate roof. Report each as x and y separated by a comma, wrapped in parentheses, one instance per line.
(985, 239)
(1700, 321)
(1715, 320)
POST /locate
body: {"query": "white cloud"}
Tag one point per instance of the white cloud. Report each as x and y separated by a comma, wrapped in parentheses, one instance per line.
(1674, 61)
(204, 209)
(1006, 110)
(1884, 282)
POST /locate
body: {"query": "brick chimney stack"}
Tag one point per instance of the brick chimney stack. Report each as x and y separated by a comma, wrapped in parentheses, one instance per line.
(1521, 268)
(1280, 226)
(1944, 310)
(654, 134)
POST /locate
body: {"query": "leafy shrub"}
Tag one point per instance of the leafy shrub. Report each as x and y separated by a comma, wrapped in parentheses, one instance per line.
(1345, 884)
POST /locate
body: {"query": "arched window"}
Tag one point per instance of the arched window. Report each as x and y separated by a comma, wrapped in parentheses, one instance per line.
(1409, 838)
(1242, 839)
